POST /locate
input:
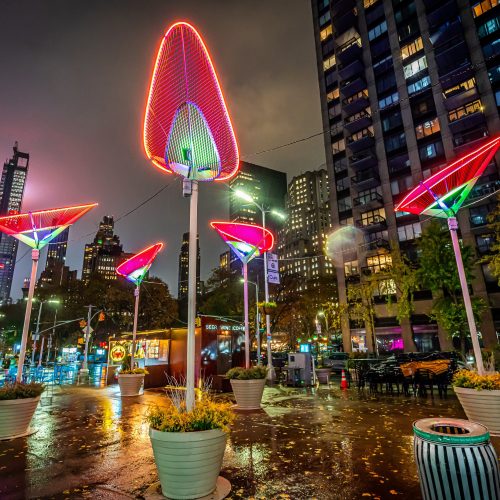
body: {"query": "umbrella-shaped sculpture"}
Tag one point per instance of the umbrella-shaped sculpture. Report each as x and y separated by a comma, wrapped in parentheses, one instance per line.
(38, 229)
(247, 241)
(187, 131)
(442, 195)
(134, 270)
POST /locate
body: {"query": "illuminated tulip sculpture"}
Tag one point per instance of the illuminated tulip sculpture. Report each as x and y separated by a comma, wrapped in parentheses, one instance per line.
(187, 131)
(38, 229)
(442, 195)
(247, 241)
(134, 270)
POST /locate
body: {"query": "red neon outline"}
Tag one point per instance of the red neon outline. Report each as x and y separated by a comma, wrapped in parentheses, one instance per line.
(226, 235)
(154, 77)
(420, 193)
(151, 252)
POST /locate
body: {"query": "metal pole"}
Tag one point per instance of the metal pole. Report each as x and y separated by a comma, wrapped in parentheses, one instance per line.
(35, 254)
(134, 330)
(453, 227)
(41, 352)
(257, 322)
(52, 336)
(270, 368)
(191, 338)
(85, 368)
(37, 333)
(245, 305)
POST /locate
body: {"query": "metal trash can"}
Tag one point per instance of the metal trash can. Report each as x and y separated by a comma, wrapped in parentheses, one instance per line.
(455, 460)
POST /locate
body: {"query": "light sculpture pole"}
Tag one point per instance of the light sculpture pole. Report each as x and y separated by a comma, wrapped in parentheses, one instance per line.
(187, 131)
(37, 229)
(247, 241)
(442, 195)
(134, 270)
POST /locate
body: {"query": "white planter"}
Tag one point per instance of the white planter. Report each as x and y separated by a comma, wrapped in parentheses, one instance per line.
(131, 384)
(15, 416)
(248, 393)
(188, 463)
(481, 406)
(323, 375)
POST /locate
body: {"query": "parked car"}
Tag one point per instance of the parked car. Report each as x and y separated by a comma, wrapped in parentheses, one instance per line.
(337, 361)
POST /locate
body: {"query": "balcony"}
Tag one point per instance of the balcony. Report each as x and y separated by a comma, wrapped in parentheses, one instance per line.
(445, 12)
(358, 121)
(378, 244)
(352, 277)
(356, 102)
(352, 69)
(399, 165)
(473, 119)
(351, 87)
(372, 223)
(457, 75)
(375, 269)
(446, 33)
(466, 142)
(349, 51)
(344, 22)
(360, 140)
(461, 98)
(366, 179)
(453, 57)
(340, 7)
(482, 190)
(369, 201)
(484, 248)
(479, 221)
(363, 161)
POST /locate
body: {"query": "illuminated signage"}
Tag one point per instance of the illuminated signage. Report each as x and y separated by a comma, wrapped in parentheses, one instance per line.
(233, 328)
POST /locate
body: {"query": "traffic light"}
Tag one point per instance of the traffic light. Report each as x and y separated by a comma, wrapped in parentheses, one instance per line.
(83, 323)
(102, 316)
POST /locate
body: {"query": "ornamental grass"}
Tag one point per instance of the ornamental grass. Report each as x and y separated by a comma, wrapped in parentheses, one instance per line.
(20, 390)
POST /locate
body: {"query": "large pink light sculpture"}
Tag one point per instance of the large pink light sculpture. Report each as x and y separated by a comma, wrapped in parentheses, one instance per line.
(187, 131)
(248, 241)
(37, 229)
(442, 195)
(134, 270)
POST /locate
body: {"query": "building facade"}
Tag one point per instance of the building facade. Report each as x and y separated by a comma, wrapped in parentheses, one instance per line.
(303, 237)
(12, 185)
(406, 85)
(182, 286)
(104, 254)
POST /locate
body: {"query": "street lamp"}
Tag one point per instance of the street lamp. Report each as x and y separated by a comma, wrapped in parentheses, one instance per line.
(257, 322)
(246, 197)
(37, 330)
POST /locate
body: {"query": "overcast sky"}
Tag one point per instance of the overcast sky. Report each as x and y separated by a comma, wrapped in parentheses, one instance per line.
(74, 78)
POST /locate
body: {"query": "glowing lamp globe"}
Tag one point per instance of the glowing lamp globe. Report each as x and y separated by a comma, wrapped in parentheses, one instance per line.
(247, 240)
(135, 268)
(187, 129)
(442, 194)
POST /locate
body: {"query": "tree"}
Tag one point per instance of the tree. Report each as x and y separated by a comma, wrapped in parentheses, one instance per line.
(438, 273)
(157, 307)
(224, 294)
(493, 260)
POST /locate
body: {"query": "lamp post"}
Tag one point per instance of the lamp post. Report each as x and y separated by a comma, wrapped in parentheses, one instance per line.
(37, 331)
(246, 197)
(257, 322)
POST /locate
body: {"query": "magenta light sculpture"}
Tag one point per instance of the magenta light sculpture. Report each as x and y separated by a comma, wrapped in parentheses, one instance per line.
(247, 241)
(134, 270)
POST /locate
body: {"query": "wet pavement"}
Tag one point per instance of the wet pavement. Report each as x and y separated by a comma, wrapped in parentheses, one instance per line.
(305, 444)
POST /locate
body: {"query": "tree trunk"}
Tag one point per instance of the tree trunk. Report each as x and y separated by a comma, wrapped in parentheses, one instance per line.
(407, 335)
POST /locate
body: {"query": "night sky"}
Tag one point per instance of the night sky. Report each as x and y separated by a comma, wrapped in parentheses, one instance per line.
(73, 84)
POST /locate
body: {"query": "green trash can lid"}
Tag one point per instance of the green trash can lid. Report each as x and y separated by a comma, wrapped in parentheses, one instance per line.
(451, 431)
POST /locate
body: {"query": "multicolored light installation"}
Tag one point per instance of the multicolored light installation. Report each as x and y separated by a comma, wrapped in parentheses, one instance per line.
(247, 240)
(187, 129)
(38, 229)
(442, 194)
(135, 268)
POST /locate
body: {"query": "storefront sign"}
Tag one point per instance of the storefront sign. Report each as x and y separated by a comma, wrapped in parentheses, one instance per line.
(117, 353)
(232, 328)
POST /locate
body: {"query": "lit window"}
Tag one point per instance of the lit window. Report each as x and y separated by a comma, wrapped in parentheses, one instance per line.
(409, 232)
(338, 146)
(461, 87)
(411, 48)
(419, 85)
(328, 63)
(324, 18)
(482, 7)
(325, 33)
(369, 3)
(467, 109)
(415, 67)
(489, 27)
(387, 101)
(377, 30)
(427, 128)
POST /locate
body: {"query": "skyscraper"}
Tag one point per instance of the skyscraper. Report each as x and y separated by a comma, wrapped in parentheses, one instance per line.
(104, 254)
(182, 287)
(56, 252)
(12, 185)
(302, 239)
(405, 85)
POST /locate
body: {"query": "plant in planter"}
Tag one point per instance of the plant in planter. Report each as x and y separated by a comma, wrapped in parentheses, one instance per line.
(18, 402)
(479, 396)
(131, 380)
(268, 308)
(248, 386)
(188, 446)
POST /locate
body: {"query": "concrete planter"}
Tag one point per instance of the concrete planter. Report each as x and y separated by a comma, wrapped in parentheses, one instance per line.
(131, 384)
(15, 416)
(481, 406)
(248, 393)
(323, 375)
(188, 463)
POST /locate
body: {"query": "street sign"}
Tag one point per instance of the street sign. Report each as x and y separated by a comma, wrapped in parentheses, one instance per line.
(273, 278)
(273, 274)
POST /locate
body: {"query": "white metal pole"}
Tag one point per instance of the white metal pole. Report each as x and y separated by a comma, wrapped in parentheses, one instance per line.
(85, 368)
(35, 254)
(191, 338)
(270, 368)
(41, 352)
(134, 330)
(257, 322)
(453, 227)
(37, 333)
(245, 305)
(52, 336)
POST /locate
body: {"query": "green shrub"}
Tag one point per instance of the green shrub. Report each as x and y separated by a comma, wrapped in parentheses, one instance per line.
(253, 373)
(19, 390)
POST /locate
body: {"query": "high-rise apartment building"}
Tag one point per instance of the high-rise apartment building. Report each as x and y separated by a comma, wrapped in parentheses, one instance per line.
(104, 254)
(56, 250)
(302, 239)
(182, 286)
(12, 185)
(406, 85)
